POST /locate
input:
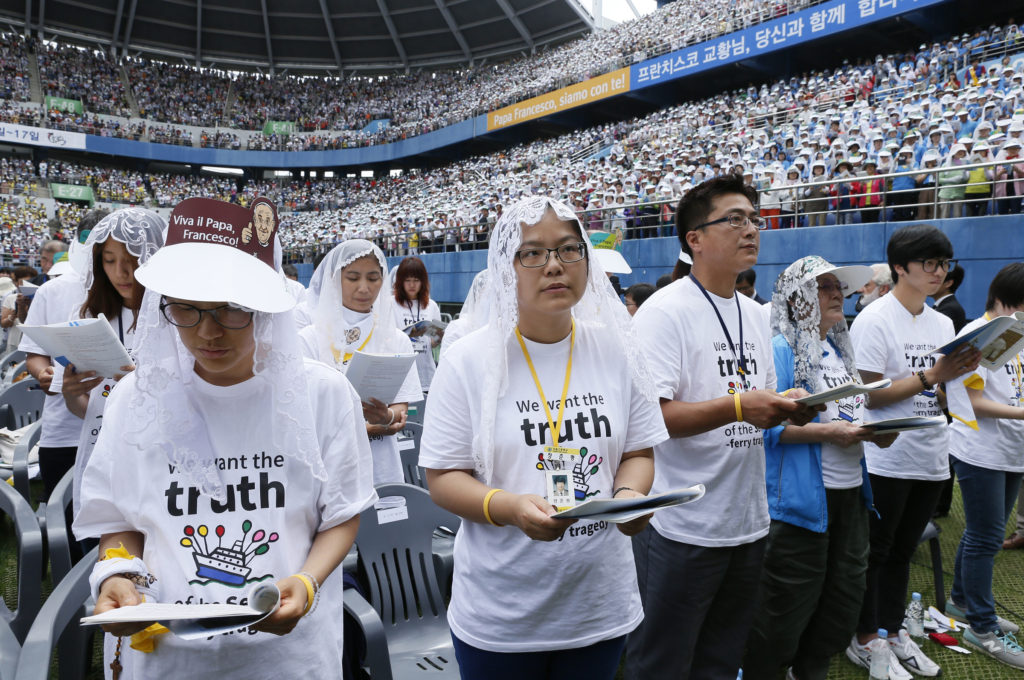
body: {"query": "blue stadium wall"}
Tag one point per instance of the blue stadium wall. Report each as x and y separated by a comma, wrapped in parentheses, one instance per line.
(983, 245)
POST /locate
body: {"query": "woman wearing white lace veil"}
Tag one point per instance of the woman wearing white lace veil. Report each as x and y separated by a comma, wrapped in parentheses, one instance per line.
(473, 315)
(556, 355)
(352, 310)
(226, 460)
(114, 249)
(819, 496)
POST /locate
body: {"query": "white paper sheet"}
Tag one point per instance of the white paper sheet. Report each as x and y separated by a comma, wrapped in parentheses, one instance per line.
(842, 391)
(379, 376)
(89, 344)
(193, 621)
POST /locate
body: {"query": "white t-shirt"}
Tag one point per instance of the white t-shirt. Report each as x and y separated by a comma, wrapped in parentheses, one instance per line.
(387, 459)
(889, 340)
(510, 593)
(998, 443)
(687, 352)
(125, 489)
(410, 314)
(53, 303)
(840, 465)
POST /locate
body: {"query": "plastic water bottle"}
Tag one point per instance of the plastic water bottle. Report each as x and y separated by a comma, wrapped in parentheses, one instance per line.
(915, 616)
(879, 648)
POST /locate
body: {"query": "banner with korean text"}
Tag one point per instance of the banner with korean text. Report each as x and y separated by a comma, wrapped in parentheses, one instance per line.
(822, 20)
(592, 90)
(24, 134)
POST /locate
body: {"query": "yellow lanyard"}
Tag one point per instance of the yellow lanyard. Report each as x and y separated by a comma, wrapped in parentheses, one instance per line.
(348, 355)
(556, 427)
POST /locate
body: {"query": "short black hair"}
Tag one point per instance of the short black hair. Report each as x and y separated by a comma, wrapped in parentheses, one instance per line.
(290, 270)
(1007, 287)
(90, 219)
(747, 276)
(916, 242)
(640, 292)
(695, 206)
(663, 281)
(955, 278)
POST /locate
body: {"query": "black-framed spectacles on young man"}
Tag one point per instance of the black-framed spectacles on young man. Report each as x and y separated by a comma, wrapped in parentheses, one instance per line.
(932, 264)
(184, 315)
(538, 257)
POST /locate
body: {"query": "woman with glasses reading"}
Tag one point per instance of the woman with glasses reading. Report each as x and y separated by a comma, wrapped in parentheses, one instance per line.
(353, 311)
(225, 461)
(534, 596)
(894, 338)
(819, 496)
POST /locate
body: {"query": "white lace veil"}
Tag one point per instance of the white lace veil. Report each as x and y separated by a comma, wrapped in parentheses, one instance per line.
(163, 416)
(140, 230)
(796, 315)
(477, 304)
(324, 301)
(599, 308)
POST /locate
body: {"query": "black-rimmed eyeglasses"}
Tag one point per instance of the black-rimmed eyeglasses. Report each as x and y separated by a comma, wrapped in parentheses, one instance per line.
(538, 257)
(184, 315)
(931, 265)
(737, 221)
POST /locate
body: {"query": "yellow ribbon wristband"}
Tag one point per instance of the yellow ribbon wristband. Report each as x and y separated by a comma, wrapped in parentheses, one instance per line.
(120, 551)
(487, 507)
(145, 640)
(310, 593)
(739, 409)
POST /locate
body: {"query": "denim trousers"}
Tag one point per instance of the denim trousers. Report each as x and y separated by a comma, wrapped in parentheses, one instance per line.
(988, 497)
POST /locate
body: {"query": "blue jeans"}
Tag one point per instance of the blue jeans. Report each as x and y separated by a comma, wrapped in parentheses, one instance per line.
(988, 497)
(598, 661)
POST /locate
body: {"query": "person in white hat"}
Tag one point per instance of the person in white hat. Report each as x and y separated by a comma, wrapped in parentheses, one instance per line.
(819, 495)
(225, 461)
(1009, 179)
(979, 182)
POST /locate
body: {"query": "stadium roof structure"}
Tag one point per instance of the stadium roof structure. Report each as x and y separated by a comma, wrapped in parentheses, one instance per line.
(305, 36)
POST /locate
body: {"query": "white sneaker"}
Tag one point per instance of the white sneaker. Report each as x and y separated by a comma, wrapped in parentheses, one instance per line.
(861, 655)
(789, 674)
(911, 656)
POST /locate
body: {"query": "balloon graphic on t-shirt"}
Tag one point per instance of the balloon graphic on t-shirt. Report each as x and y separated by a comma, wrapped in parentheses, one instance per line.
(224, 565)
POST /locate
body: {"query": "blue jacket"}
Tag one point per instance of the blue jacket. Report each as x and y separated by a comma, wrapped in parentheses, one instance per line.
(796, 490)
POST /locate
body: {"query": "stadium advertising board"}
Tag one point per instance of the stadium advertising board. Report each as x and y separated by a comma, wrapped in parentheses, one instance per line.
(279, 127)
(24, 134)
(61, 104)
(817, 22)
(72, 192)
(591, 90)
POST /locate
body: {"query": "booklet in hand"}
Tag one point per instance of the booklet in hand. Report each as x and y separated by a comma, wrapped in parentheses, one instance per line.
(842, 391)
(892, 425)
(619, 510)
(195, 621)
(378, 376)
(428, 326)
(999, 340)
(89, 344)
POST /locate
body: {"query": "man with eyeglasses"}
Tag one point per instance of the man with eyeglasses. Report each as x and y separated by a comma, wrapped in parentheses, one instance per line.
(709, 350)
(894, 338)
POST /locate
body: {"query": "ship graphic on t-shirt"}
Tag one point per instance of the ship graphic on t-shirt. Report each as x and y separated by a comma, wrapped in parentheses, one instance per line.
(226, 565)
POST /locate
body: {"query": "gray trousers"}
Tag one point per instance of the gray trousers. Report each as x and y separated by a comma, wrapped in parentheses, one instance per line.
(812, 588)
(698, 606)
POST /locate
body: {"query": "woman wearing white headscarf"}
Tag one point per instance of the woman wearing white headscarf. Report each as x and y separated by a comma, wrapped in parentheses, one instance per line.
(819, 496)
(556, 354)
(226, 460)
(115, 248)
(352, 311)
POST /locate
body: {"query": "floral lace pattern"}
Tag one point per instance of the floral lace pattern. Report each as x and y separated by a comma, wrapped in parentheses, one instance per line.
(796, 315)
